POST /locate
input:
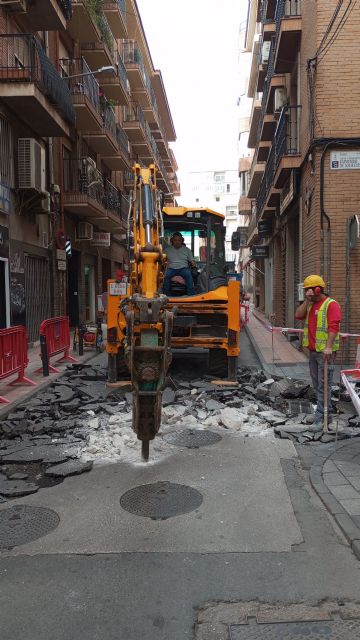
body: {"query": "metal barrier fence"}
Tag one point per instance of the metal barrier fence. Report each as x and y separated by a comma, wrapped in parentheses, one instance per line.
(54, 339)
(13, 356)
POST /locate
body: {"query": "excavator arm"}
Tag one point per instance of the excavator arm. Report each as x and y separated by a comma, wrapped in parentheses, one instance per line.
(148, 323)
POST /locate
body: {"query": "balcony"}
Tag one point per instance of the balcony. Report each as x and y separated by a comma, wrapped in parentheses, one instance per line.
(103, 140)
(141, 89)
(288, 34)
(115, 12)
(283, 158)
(85, 93)
(82, 26)
(254, 122)
(49, 15)
(87, 194)
(255, 176)
(116, 85)
(288, 155)
(31, 86)
(100, 51)
(121, 160)
(138, 132)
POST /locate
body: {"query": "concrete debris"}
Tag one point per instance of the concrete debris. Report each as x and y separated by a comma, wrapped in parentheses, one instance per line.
(70, 468)
(168, 396)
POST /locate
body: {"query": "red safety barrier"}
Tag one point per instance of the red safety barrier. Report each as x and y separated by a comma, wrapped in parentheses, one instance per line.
(57, 335)
(13, 356)
(246, 308)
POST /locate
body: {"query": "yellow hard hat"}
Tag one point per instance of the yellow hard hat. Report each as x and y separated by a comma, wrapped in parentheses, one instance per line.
(313, 281)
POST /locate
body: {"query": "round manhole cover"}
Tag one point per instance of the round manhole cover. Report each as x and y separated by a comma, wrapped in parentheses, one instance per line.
(161, 500)
(192, 438)
(22, 524)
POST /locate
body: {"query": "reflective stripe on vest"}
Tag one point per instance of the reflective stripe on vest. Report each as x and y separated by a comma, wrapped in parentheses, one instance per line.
(322, 333)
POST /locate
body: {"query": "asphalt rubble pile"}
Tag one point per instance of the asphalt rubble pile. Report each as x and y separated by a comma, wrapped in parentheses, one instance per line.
(79, 420)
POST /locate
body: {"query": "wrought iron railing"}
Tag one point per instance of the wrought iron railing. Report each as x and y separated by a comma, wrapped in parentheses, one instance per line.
(105, 31)
(131, 53)
(111, 198)
(121, 72)
(122, 140)
(267, 83)
(22, 59)
(85, 84)
(108, 116)
(66, 8)
(134, 113)
(285, 143)
(81, 177)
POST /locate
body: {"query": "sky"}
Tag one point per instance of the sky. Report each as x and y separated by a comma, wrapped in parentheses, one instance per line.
(195, 45)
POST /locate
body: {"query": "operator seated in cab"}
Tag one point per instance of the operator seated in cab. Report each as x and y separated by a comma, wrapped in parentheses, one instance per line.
(179, 261)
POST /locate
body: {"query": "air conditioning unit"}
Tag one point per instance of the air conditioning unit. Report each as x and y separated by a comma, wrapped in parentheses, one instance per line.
(31, 165)
(84, 231)
(280, 98)
(14, 6)
(265, 51)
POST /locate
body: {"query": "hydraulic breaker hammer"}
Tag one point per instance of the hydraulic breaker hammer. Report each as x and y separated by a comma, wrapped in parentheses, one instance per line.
(148, 324)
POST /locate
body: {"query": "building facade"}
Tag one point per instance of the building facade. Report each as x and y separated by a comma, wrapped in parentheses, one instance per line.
(80, 102)
(305, 132)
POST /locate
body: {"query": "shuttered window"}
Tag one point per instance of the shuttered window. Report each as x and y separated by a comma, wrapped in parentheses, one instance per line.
(6, 154)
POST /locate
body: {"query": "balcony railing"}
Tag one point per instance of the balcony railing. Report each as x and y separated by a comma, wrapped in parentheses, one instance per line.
(285, 143)
(121, 72)
(287, 9)
(131, 54)
(269, 75)
(66, 8)
(106, 33)
(84, 85)
(108, 116)
(82, 178)
(122, 140)
(23, 60)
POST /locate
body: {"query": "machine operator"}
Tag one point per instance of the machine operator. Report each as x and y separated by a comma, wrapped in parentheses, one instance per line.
(179, 261)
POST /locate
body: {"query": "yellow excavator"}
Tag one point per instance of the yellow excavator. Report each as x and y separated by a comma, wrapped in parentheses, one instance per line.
(144, 325)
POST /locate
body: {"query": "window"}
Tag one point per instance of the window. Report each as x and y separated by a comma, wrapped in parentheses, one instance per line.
(227, 188)
(219, 177)
(217, 199)
(231, 212)
(244, 183)
(6, 154)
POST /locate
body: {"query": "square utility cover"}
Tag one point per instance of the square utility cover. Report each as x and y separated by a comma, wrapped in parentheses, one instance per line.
(332, 630)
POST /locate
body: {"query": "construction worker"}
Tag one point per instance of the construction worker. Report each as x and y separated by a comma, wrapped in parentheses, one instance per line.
(322, 317)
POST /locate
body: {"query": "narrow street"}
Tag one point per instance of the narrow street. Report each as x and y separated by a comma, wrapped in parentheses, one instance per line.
(250, 534)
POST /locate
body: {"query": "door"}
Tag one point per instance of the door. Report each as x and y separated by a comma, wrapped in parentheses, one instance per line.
(37, 294)
(73, 288)
(4, 294)
(89, 293)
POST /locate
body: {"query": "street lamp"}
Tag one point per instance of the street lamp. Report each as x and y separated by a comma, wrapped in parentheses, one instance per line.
(91, 73)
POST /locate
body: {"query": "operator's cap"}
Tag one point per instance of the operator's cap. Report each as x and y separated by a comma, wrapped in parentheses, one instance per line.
(314, 281)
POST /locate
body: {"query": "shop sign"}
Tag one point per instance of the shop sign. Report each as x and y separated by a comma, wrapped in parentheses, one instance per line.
(61, 265)
(265, 228)
(259, 251)
(344, 160)
(60, 254)
(100, 239)
(4, 198)
(117, 288)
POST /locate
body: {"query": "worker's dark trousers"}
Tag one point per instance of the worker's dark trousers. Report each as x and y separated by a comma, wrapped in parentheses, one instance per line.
(316, 364)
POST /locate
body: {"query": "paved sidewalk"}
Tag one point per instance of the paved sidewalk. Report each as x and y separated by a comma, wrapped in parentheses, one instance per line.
(19, 392)
(334, 467)
(276, 353)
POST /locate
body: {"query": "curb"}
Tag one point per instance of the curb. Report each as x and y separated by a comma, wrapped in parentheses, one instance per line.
(264, 365)
(341, 517)
(33, 391)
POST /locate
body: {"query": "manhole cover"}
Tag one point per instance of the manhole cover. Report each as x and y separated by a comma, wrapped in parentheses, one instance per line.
(332, 630)
(192, 438)
(161, 500)
(22, 524)
(299, 406)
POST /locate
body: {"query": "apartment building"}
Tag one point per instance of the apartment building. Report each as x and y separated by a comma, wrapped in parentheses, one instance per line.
(305, 132)
(80, 102)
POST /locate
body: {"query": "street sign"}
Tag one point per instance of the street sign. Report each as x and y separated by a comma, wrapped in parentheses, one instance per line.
(259, 251)
(60, 254)
(118, 289)
(61, 265)
(345, 160)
